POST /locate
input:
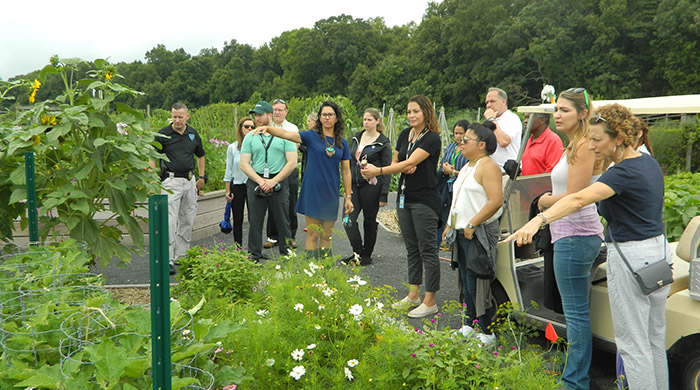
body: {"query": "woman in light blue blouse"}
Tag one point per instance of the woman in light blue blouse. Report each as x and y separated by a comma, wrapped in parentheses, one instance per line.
(235, 179)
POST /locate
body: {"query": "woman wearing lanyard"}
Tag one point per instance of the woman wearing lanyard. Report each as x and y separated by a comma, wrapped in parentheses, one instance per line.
(416, 156)
(235, 179)
(327, 150)
(452, 162)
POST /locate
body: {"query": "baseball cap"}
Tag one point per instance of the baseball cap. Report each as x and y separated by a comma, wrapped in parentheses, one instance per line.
(261, 107)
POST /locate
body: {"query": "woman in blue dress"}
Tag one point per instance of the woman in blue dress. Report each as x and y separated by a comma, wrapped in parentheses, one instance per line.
(327, 150)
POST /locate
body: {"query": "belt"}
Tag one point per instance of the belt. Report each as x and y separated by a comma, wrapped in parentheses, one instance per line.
(186, 175)
(270, 177)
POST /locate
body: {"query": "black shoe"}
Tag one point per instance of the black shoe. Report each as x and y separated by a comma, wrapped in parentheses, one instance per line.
(173, 270)
(264, 257)
(365, 261)
(353, 259)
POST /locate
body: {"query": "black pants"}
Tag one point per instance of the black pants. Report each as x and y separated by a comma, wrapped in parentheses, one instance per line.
(276, 203)
(365, 199)
(237, 206)
(293, 182)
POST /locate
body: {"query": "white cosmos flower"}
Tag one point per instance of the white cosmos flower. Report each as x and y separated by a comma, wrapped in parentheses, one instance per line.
(353, 363)
(298, 354)
(357, 279)
(317, 327)
(262, 312)
(297, 372)
(327, 292)
(270, 362)
(299, 307)
(313, 267)
(380, 305)
(348, 374)
(355, 310)
(278, 266)
(321, 307)
(311, 346)
(308, 273)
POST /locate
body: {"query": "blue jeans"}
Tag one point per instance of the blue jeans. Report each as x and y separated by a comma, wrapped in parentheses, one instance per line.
(573, 257)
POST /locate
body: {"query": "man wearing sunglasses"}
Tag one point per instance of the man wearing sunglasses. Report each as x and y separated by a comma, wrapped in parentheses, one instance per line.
(279, 117)
(509, 128)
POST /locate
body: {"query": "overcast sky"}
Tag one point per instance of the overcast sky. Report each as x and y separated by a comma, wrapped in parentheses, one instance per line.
(33, 30)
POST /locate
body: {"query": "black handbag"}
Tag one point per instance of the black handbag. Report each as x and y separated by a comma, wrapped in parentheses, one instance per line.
(652, 276)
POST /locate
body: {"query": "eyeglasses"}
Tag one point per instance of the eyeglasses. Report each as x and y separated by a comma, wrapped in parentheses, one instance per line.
(585, 94)
(248, 126)
(598, 118)
(328, 114)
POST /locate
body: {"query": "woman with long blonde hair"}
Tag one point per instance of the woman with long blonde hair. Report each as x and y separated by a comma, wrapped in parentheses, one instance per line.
(577, 237)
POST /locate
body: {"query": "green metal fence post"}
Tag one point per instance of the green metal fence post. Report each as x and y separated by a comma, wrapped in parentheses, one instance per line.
(32, 213)
(160, 290)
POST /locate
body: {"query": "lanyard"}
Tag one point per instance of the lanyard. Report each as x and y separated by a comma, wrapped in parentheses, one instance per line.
(262, 140)
(412, 145)
(454, 156)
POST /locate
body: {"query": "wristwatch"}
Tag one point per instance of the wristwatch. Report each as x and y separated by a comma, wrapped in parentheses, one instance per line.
(470, 226)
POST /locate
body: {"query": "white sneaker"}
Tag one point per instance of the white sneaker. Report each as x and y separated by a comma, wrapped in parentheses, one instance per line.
(406, 302)
(486, 339)
(466, 331)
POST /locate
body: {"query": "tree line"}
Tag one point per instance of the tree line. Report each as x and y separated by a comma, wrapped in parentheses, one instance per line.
(614, 48)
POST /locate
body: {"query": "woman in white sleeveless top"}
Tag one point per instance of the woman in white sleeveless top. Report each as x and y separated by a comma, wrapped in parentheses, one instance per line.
(476, 207)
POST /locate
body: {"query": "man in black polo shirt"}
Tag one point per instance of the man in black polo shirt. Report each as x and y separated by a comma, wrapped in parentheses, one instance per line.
(180, 143)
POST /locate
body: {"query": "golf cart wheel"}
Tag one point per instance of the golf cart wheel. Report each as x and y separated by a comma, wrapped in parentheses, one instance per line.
(691, 372)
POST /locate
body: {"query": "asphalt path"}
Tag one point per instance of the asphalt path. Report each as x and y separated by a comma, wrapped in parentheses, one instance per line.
(388, 268)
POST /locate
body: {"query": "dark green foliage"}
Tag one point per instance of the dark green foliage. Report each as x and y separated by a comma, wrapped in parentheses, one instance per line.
(616, 49)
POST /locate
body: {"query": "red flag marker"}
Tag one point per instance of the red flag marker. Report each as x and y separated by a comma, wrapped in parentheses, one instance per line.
(550, 334)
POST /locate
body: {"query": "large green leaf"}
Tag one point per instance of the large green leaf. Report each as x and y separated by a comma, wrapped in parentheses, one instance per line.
(43, 377)
(81, 205)
(132, 225)
(110, 362)
(85, 230)
(18, 176)
(18, 195)
(190, 351)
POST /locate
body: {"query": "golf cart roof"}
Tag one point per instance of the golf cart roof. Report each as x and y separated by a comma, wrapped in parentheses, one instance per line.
(679, 104)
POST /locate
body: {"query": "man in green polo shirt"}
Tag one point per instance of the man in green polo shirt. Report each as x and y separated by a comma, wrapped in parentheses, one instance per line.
(267, 161)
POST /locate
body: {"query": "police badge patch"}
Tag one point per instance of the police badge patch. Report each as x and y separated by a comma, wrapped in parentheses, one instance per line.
(191, 137)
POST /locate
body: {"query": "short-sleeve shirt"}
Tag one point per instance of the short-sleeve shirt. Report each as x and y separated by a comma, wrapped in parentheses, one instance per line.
(276, 148)
(180, 148)
(634, 213)
(542, 154)
(510, 123)
(420, 186)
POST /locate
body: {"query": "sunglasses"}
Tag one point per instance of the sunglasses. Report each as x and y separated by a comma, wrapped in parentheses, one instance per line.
(585, 94)
(248, 126)
(466, 139)
(598, 118)
(279, 101)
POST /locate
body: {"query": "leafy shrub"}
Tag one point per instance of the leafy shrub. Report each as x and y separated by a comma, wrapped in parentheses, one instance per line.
(220, 272)
(681, 202)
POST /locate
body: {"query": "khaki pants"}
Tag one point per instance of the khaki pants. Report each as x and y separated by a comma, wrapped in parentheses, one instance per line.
(182, 209)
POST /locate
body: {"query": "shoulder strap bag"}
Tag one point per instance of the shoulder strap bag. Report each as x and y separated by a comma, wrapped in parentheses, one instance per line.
(652, 276)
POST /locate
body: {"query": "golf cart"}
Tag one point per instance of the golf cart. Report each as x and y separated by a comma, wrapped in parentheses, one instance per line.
(520, 271)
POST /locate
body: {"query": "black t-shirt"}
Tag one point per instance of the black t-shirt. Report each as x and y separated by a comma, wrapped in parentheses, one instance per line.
(420, 186)
(180, 148)
(634, 212)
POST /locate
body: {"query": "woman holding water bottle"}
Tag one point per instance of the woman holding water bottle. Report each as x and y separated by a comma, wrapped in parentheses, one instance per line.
(418, 207)
(368, 146)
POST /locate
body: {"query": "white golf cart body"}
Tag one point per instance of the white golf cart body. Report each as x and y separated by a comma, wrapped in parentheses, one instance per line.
(521, 271)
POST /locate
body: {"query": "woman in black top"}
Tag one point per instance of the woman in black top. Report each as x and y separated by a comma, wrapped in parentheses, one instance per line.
(418, 202)
(373, 147)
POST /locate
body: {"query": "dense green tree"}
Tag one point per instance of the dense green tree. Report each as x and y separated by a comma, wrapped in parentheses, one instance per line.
(676, 45)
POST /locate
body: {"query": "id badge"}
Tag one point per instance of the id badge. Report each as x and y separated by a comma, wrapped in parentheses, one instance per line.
(401, 199)
(266, 173)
